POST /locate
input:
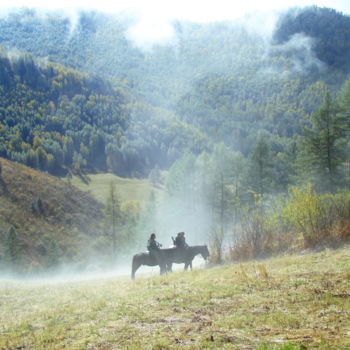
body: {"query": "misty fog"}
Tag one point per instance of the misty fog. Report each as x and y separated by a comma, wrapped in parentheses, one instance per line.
(194, 99)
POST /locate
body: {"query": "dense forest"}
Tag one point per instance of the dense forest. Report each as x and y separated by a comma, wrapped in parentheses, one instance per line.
(239, 122)
(215, 82)
(58, 120)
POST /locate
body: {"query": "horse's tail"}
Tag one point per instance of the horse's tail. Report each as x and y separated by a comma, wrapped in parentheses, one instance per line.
(134, 267)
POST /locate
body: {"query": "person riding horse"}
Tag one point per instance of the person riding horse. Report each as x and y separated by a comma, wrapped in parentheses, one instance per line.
(154, 247)
(180, 241)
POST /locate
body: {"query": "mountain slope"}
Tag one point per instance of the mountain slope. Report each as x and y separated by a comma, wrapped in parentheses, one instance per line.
(221, 78)
(44, 209)
(328, 29)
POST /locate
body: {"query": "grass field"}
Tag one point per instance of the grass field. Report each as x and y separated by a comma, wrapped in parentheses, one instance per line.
(297, 302)
(128, 189)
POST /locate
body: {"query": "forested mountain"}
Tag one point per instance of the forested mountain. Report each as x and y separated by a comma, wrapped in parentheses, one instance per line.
(54, 118)
(221, 78)
(328, 29)
(235, 118)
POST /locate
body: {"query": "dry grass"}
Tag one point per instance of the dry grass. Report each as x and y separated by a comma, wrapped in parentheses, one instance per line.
(303, 301)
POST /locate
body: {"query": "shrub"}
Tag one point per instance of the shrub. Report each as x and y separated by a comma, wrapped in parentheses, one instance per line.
(321, 219)
(303, 211)
(254, 239)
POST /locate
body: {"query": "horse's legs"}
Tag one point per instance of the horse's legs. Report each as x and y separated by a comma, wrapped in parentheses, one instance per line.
(170, 267)
(135, 266)
(163, 269)
(188, 264)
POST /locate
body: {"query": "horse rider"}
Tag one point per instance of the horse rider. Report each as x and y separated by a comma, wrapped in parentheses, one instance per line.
(180, 241)
(154, 247)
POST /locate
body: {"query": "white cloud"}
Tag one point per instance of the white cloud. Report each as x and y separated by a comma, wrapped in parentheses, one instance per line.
(155, 16)
(196, 10)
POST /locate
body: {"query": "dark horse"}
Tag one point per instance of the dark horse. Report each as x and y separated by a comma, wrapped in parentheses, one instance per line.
(169, 256)
(185, 256)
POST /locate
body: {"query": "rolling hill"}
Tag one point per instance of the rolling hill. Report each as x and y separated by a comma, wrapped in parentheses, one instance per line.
(46, 211)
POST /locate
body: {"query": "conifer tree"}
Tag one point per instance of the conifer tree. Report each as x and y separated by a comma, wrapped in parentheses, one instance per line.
(155, 176)
(222, 201)
(112, 216)
(261, 167)
(53, 253)
(11, 246)
(344, 112)
(323, 146)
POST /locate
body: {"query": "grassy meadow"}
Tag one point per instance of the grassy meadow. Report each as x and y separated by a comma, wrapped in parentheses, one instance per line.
(294, 302)
(128, 189)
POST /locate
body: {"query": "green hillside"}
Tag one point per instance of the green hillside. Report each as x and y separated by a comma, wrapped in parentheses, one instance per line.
(286, 303)
(129, 189)
(46, 212)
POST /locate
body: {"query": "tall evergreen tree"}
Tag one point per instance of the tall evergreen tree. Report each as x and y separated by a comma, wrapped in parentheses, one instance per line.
(11, 247)
(113, 215)
(222, 195)
(344, 112)
(261, 167)
(323, 146)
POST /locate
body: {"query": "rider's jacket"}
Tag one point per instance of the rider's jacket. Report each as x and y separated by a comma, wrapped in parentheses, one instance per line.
(180, 242)
(153, 245)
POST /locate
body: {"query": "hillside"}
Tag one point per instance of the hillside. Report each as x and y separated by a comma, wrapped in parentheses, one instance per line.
(128, 189)
(46, 212)
(328, 29)
(217, 82)
(59, 120)
(52, 117)
(286, 303)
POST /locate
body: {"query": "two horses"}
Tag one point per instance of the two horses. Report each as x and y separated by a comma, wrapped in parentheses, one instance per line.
(169, 256)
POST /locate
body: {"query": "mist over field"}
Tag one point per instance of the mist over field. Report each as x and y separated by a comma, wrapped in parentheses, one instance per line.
(164, 119)
(226, 121)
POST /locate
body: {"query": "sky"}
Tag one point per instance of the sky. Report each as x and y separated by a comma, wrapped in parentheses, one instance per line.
(196, 10)
(155, 16)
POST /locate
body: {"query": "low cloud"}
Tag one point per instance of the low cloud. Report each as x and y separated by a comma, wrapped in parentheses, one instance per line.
(299, 50)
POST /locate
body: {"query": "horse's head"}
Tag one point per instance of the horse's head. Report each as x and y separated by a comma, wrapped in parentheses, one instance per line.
(205, 252)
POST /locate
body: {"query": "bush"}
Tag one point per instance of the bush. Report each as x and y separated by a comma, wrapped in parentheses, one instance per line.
(321, 219)
(303, 220)
(303, 211)
(254, 240)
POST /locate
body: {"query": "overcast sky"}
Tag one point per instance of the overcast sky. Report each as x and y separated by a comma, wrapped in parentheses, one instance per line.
(197, 10)
(154, 16)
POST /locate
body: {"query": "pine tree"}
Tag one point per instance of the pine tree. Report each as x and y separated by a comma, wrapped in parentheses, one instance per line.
(53, 253)
(113, 216)
(344, 112)
(222, 200)
(11, 246)
(323, 146)
(261, 167)
(155, 176)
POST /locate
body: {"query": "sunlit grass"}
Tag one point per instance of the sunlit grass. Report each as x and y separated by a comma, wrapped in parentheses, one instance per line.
(288, 303)
(128, 189)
